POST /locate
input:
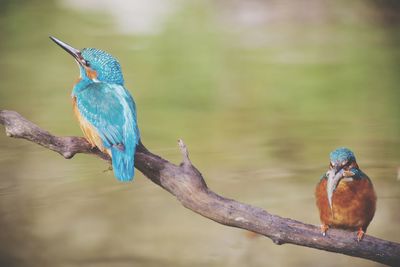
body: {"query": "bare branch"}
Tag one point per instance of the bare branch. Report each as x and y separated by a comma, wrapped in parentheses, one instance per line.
(186, 183)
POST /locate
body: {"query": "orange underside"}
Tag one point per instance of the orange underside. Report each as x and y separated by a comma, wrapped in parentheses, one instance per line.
(353, 204)
(89, 132)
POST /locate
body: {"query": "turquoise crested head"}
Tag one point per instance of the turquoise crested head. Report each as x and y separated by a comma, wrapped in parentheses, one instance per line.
(94, 64)
(105, 65)
(341, 156)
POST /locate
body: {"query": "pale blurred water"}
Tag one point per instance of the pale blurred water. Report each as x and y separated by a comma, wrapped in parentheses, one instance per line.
(261, 92)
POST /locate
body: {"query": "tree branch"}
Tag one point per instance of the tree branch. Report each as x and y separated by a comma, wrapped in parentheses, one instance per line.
(186, 183)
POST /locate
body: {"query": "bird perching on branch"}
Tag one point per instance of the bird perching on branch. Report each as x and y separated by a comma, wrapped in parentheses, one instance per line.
(345, 195)
(105, 109)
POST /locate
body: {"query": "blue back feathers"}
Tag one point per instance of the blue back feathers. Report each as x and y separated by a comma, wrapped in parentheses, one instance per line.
(342, 154)
(110, 109)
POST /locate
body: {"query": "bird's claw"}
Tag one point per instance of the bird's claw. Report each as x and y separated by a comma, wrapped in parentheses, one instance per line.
(360, 234)
(108, 169)
(324, 228)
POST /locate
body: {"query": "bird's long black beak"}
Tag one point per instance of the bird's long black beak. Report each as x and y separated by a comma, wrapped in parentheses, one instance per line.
(72, 51)
(334, 176)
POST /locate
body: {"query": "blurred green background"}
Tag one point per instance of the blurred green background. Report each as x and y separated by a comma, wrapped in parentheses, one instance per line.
(260, 91)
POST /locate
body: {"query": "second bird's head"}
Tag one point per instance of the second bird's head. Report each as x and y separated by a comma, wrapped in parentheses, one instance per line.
(342, 158)
(342, 164)
(94, 64)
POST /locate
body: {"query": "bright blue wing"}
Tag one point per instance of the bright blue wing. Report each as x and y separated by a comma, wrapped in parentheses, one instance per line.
(110, 109)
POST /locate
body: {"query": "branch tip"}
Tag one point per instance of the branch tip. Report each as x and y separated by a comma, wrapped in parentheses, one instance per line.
(184, 152)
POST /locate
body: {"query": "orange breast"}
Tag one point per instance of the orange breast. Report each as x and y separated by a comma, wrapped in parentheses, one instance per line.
(353, 204)
(88, 130)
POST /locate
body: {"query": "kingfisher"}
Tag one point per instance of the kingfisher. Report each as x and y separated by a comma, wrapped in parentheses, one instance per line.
(104, 108)
(345, 196)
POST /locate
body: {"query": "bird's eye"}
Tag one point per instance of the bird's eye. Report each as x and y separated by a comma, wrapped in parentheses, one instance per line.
(344, 163)
(87, 63)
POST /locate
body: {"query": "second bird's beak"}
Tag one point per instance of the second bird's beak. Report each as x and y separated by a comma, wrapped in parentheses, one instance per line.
(334, 176)
(72, 51)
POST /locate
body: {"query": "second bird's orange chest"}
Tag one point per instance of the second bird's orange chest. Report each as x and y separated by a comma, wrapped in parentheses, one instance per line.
(353, 203)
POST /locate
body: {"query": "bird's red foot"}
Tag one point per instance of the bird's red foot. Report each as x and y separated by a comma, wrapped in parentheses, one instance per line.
(110, 168)
(324, 228)
(360, 234)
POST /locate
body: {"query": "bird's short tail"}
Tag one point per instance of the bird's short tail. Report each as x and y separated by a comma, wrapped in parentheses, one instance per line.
(123, 164)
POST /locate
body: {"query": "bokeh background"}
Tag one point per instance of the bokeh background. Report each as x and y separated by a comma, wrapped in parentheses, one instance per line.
(260, 91)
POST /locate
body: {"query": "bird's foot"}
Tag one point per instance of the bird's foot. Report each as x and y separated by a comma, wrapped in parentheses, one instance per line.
(108, 169)
(360, 234)
(324, 228)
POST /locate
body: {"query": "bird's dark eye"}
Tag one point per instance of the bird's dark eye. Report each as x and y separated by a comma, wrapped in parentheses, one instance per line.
(87, 63)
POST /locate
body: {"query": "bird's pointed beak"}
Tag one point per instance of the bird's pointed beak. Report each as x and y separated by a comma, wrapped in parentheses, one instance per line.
(334, 176)
(72, 51)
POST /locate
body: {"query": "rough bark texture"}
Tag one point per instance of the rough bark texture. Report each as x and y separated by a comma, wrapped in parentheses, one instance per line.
(186, 183)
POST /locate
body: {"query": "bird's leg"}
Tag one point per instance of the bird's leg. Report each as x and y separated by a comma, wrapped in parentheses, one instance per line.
(108, 169)
(360, 234)
(324, 228)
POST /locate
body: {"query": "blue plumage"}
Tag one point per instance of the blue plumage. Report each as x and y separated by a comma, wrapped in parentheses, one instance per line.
(342, 154)
(107, 67)
(110, 109)
(105, 109)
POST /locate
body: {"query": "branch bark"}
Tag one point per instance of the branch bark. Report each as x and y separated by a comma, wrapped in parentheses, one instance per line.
(186, 183)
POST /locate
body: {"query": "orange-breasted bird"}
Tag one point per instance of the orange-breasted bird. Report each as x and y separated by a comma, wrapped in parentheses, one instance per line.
(345, 195)
(105, 109)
